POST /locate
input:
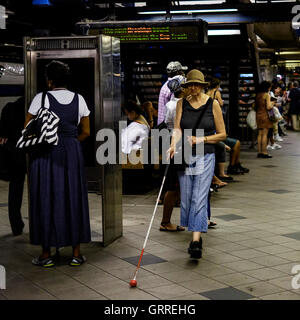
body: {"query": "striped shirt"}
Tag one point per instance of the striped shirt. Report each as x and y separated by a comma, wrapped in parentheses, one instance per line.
(165, 96)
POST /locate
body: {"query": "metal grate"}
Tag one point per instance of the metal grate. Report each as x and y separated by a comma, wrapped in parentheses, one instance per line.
(60, 44)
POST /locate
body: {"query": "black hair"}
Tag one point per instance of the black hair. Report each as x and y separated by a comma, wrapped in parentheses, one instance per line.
(295, 84)
(172, 74)
(213, 82)
(264, 86)
(59, 73)
(130, 106)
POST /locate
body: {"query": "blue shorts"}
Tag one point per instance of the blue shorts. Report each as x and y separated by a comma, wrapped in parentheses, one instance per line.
(230, 142)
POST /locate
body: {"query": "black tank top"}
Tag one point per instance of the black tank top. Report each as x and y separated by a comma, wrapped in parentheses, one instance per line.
(189, 119)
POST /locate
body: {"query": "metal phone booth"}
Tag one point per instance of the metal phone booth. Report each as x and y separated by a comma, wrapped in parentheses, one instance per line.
(95, 65)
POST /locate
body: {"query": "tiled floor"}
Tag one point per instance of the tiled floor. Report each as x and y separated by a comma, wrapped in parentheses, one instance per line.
(249, 255)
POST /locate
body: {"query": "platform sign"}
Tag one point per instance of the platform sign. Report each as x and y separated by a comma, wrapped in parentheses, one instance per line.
(136, 34)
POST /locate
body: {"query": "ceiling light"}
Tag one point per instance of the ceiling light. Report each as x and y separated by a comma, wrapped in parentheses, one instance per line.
(152, 12)
(204, 11)
(201, 2)
(282, 53)
(189, 11)
(224, 32)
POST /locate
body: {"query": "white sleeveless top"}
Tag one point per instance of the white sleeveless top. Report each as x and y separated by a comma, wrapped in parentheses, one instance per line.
(171, 112)
(133, 136)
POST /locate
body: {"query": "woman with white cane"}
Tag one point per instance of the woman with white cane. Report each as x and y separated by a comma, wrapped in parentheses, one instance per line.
(197, 111)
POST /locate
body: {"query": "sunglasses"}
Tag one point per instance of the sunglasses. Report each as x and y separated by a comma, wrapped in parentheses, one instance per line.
(195, 84)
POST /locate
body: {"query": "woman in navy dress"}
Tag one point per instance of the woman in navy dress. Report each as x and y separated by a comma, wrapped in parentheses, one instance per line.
(59, 212)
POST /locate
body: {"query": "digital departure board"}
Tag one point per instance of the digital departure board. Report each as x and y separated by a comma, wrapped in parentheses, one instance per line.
(129, 34)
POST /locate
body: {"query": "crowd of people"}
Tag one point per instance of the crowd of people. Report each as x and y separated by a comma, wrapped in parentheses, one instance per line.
(194, 102)
(59, 212)
(183, 100)
(277, 109)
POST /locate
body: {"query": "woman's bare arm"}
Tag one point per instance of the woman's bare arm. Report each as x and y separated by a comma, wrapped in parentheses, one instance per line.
(269, 104)
(28, 117)
(219, 98)
(177, 132)
(84, 128)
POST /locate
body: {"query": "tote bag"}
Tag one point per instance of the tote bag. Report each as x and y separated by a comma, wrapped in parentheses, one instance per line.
(41, 131)
(251, 119)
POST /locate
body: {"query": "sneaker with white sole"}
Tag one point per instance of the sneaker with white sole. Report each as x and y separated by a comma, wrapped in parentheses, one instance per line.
(277, 138)
(277, 146)
(46, 262)
(270, 147)
(77, 261)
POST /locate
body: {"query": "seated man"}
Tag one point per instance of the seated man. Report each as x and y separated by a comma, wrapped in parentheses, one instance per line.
(235, 166)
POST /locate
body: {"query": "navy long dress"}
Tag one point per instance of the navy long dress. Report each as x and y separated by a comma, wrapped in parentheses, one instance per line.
(59, 212)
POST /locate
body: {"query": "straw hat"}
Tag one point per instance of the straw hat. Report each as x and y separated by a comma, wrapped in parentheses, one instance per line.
(195, 76)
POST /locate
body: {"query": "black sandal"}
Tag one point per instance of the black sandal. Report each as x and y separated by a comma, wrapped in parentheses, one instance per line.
(211, 225)
(195, 249)
(163, 227)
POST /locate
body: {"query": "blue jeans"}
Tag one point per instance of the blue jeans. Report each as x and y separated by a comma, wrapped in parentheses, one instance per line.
(194, 189)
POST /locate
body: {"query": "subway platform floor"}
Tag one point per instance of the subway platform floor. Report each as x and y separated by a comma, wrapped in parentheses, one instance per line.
(249, 255)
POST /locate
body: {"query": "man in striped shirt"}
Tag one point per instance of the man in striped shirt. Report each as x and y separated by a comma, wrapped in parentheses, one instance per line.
(174, 70)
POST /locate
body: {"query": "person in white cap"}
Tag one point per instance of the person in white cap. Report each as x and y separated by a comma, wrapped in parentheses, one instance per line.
(174, 70)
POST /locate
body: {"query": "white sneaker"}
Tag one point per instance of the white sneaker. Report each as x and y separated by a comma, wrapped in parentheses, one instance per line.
(277, 138)
(270, 147)
(276, 146)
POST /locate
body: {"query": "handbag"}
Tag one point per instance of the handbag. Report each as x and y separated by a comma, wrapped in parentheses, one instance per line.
(251, 119)
(182, 166)
(277, 114)
(40, 132)
(272, 115)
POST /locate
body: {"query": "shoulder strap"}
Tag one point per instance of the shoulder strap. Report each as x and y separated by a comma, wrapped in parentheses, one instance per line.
(184, 102)
(208, 103)
(43, 99)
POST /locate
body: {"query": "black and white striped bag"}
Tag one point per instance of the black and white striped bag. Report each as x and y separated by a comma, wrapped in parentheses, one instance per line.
(40, 131)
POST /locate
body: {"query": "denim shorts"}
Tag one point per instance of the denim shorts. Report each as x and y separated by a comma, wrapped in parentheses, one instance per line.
(230, 142)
